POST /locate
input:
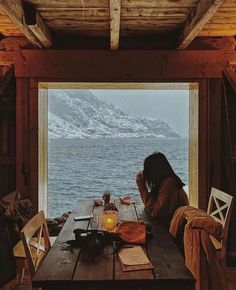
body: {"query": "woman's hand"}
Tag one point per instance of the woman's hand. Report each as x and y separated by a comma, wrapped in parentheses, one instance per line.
(139, 178)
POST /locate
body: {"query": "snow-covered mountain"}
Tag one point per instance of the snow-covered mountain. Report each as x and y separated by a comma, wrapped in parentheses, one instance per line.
(80, 114)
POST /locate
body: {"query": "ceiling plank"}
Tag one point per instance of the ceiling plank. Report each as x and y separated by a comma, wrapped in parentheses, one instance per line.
(203, 12)
(14, 9)
(115, 7)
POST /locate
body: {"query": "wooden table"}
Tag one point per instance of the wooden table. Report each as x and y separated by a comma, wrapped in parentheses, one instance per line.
(67, 270)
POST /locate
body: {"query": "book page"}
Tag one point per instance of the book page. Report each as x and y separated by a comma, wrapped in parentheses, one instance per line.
(133, 256)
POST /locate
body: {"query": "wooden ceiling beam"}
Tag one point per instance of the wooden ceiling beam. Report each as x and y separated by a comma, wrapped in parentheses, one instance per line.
(37, 25)
(34, 32)
(203, 12)
(115, 8)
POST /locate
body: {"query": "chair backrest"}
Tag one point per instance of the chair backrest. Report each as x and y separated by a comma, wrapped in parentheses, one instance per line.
(220, 208)
(220, 205)
(36, 241)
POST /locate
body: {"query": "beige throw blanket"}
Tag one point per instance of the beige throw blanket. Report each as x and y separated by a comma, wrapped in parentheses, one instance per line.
(200, 254)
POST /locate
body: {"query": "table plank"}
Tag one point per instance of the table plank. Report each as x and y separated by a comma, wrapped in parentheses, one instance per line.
(101, 268)
(60, 264)
(128, 212)
(165, 256)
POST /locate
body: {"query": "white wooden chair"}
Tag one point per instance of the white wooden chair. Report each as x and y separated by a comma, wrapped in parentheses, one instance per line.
(34, 245)
(220, 208)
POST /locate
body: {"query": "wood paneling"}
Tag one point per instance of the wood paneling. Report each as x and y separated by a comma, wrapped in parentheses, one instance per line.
(22, 137)
(214, 129)
(203, 145)
(7, 131)
(209, 138)
(223, 22)
(7, 28)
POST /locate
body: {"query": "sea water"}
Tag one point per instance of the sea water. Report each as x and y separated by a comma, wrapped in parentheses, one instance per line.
(88, 167)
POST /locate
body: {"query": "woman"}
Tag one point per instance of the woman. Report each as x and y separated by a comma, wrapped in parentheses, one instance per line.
(160, 188)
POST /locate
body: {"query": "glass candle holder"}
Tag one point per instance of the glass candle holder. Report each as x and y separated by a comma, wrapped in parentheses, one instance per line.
(110, 218)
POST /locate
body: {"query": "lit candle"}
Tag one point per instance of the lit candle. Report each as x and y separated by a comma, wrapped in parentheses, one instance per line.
(109, 223)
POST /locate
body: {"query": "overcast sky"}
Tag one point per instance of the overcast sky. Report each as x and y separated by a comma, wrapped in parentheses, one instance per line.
(168, 105)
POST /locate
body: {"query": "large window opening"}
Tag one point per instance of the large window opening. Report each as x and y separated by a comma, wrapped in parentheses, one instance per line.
(98, 137)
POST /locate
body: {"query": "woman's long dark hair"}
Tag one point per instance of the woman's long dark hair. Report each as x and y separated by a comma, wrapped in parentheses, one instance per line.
(157, 168)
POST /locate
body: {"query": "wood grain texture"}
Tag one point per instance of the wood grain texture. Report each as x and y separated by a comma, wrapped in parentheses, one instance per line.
(167, 261)
(203, 13)
(32, 145)
(37, 32)
(223, 22)
(57, 270)
(105, 3)
(14, 9)
(127, 65)
(193, 145)
(115, 7)
(101, 268)
(91, 18)
(37, 25)
(60, 264)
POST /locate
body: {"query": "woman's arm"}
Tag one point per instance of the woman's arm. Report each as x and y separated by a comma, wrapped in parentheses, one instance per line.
(142, 187)
(148, 201)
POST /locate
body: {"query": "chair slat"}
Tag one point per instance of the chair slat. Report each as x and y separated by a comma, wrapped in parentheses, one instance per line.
(35, 247)
(220, 208)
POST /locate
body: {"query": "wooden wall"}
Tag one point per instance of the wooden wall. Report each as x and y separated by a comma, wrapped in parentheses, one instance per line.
(7, 134)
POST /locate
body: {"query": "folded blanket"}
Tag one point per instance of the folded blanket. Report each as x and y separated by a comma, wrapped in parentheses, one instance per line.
(200, 255)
